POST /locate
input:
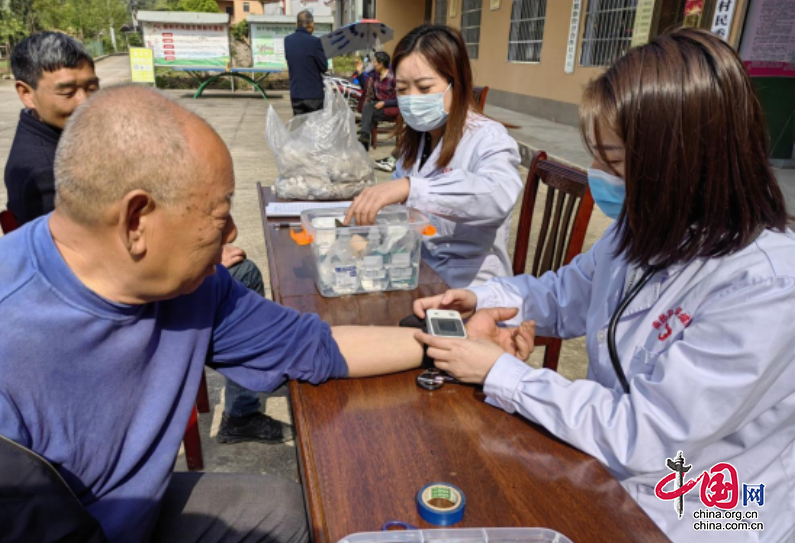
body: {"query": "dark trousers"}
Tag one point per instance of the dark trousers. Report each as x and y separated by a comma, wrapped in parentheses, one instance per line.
(239, 401)
(231, 508)
(306, 106)
(370, 115)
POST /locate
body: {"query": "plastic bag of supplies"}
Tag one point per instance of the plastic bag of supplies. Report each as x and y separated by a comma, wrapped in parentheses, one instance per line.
(318, 154)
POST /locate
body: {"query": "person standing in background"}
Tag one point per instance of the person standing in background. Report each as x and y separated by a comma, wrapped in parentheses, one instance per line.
(306, 64)
(54, 74)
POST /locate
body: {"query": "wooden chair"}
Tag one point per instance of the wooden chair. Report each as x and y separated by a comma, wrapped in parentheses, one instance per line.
(567, 211)
(8, 221)
(479, 93)
(191, 440)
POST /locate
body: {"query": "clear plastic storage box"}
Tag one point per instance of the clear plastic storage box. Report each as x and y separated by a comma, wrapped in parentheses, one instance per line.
(359, 259)
(461, 535)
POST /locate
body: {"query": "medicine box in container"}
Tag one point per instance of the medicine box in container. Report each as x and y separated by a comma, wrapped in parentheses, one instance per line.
(359, 259)
(461, 535)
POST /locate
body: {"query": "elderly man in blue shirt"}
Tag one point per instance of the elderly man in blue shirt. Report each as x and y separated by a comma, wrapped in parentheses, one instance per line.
(112, 305)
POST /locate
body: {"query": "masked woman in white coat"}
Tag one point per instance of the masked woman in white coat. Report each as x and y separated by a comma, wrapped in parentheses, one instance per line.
(455, 165)
(687, 301)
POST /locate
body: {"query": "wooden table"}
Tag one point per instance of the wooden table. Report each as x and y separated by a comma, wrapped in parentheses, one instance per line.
(366, 446)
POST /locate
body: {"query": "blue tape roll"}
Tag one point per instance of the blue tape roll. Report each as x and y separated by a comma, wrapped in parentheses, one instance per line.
(441, 504)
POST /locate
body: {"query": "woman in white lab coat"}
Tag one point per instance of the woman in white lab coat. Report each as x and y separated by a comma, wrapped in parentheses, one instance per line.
(455, 165)
(704, 351)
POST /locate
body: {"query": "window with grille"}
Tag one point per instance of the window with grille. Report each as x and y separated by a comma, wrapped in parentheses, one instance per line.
(527, 29)
(369, 9)
(440, 12)
(608, 31)
(471, 25)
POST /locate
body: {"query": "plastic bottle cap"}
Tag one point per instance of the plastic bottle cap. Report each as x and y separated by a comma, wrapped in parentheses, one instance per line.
(301, 238)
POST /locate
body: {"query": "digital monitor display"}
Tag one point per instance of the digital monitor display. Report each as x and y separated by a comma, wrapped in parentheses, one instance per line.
(448, 327)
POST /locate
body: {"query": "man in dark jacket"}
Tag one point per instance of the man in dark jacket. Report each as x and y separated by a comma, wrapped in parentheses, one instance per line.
(54, 74)
(306, 64)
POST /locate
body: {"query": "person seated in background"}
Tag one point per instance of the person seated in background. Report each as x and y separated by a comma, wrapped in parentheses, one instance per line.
(243, 419)
(54, 74)
(113, 304)
(306, 64)
(379, 102)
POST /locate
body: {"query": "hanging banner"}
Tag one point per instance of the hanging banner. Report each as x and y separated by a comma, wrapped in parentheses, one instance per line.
(142, 65)
(572, 39)
(179, 44)
(722, 18)
(767, 44)
(643, 24)
(692, 12)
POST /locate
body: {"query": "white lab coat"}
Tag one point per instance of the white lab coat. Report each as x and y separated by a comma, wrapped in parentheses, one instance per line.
(720, 389)
(469, 202)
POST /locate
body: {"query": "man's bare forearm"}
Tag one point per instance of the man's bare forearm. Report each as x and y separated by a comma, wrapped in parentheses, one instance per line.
(376, 350)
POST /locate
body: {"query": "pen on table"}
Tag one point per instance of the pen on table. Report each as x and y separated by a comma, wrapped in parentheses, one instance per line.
(278, 225)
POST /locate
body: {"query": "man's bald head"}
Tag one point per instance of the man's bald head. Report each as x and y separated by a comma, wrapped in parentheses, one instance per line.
(129, 138)
(305, 20)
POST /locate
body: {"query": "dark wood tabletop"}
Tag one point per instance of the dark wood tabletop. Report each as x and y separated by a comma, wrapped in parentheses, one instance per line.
(366, 446)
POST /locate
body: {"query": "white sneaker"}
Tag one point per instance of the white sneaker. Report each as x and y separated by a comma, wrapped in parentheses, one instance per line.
(386, 164)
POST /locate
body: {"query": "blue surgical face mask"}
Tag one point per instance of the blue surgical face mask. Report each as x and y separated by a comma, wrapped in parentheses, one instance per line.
(608, 191)
(424, 112)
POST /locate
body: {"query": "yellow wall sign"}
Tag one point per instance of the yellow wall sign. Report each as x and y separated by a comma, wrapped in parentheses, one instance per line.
(142, 65)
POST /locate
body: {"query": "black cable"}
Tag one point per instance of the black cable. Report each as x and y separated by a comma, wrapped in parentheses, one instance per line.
(620, 373)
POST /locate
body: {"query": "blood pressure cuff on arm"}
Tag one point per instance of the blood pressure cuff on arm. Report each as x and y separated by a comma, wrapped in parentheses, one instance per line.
(413, 322)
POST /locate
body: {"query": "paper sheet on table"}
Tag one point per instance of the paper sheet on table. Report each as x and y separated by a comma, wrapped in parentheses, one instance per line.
(294, 209)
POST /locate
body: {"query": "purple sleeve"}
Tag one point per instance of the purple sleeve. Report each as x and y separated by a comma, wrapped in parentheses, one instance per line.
(388, 92)
(260, 344)
(11, 425)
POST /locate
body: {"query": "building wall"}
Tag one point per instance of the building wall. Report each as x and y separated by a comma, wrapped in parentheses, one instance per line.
(541, 89)
(255, 8)
(238, 15)
(402, 16)
(316, 7)
(224, 4)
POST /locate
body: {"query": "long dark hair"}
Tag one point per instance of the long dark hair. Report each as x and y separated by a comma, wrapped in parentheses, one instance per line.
(696, 169)
(444, 49)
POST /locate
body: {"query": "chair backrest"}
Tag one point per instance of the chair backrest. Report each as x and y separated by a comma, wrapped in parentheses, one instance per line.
(479, 93)
(567, 210)
(8, 222)
(37, 503)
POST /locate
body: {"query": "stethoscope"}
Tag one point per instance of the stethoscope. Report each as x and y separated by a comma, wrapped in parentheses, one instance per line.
(434, 379)
(612, 353)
